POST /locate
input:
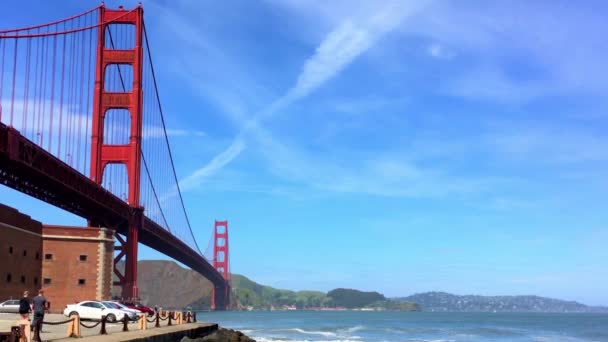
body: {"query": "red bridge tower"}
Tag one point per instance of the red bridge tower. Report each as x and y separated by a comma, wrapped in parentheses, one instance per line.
(219, 296)
(129, 154)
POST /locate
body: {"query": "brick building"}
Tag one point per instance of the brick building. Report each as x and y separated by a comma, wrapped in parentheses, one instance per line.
(20, 253)
(76, 264)
(71, 263)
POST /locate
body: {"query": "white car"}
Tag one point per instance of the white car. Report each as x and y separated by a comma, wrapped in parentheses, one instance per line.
(10, 306)
(133, 314)
(94, 310)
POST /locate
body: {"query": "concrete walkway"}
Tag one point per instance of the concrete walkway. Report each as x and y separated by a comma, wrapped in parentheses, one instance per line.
(115, 333)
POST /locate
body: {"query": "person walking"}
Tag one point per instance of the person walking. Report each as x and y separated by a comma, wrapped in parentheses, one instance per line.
(24, 311)
(24, 306)
(40, 306)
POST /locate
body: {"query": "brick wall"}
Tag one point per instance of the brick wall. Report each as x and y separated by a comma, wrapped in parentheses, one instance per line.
(20, 254)
(76, 264)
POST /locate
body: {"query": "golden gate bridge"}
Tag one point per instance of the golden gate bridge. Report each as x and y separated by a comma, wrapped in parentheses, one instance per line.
(82, 128)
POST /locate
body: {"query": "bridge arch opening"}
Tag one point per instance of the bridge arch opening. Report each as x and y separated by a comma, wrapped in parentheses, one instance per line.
(117, 127)
(115, 180)
(220, 256)
(119, 36)
(221, 242)
(118, 78)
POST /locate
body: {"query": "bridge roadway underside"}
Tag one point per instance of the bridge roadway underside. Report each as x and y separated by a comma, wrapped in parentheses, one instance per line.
(28, 168)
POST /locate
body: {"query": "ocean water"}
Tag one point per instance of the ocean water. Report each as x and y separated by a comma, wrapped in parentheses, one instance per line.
(357, 326)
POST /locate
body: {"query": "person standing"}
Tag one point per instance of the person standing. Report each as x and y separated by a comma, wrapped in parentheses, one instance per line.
(24, 306)
(24, 311)
(40, 305)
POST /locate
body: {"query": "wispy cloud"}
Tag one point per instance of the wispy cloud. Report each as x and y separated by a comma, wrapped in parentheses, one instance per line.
(544, 143)
(437, 50)
(219, 161)
(491, 38)
(337, 50)
(155, 132)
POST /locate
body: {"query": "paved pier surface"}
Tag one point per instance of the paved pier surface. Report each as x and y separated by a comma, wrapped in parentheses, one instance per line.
(115, 333)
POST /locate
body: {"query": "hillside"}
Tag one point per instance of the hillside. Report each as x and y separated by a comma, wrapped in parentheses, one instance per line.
(179, 287)
(250, 294)
(441, 301)
(182, 287)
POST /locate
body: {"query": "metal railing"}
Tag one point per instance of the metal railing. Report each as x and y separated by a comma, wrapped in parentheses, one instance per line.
(20, 332)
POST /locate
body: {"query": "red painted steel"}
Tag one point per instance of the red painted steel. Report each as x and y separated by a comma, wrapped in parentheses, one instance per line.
(130, 155)
(48, 173)
(28, 168)
(221, 263)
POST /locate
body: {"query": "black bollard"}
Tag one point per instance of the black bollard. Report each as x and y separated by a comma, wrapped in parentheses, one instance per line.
(170, 314)
(194, 317)
(188, 317)
(125, 322)
(103, 326)
(157, 325)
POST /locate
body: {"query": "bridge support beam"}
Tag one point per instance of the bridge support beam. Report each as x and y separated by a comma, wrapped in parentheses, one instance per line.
(220, 297)
(129, 287)
(103, 154)
(221, 292)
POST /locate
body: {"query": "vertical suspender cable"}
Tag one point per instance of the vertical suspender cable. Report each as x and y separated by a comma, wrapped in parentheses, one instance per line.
(61, 94)
(3, 43)
(14, 79)
(36, 67)
(53, 94)
(26, 87)
(88, 108)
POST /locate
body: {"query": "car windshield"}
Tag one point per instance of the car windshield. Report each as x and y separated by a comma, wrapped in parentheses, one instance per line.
(120, 305)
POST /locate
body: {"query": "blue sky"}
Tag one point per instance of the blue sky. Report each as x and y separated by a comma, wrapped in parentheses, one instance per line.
(391, 146)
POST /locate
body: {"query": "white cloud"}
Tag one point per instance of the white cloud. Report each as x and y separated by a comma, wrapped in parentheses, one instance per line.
(538, 39)
(338, 49)
(156, 132)
(219, 161)
(435, 50)
(543, 143)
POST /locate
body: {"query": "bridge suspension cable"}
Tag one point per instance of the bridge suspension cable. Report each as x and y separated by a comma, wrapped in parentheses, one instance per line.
(82, 128)
(174, 190)
(46, 93)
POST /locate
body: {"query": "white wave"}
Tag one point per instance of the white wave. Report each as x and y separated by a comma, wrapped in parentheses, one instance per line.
(309, 332)
(559, 338)
(279, 339)
(353, 329)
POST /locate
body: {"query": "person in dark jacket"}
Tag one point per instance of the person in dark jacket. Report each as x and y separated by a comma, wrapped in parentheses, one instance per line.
(24, 306)
(40, 305)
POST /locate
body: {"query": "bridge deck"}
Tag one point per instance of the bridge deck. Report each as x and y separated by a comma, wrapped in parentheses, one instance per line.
(28, 168)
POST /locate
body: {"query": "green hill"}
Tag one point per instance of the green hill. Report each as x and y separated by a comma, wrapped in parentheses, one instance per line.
(251, 295)
(186, 288)
(349, 298)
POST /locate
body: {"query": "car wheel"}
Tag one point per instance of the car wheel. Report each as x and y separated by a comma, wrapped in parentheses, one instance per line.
(111, 318)
(73, 313)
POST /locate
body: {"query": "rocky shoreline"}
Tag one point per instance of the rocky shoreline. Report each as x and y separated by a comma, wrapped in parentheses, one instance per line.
(221, 335)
